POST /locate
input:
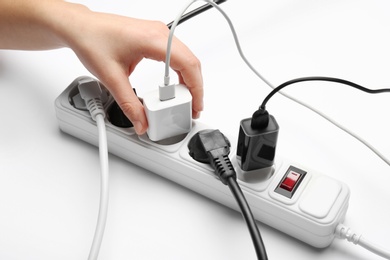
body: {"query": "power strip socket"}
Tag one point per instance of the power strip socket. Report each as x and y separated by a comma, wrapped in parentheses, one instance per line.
(298, 201)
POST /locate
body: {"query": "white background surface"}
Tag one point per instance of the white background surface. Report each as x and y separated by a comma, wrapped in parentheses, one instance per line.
(49, 181)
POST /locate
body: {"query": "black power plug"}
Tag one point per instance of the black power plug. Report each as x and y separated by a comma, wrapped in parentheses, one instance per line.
(211, 146)
(257, 141)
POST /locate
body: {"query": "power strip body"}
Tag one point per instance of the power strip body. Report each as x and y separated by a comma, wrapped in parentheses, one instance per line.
(310, 215)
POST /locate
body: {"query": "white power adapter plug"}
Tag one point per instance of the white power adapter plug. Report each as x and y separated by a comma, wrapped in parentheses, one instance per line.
(170, 115)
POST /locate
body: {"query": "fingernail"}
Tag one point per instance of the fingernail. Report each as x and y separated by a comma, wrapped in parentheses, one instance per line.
(138, 127)
(196, 114)
(201, 106)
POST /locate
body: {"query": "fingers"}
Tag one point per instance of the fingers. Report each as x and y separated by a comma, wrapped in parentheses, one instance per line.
(148, 40)
(183, 61)
(196, 92)
(188, 67)
(128, 101)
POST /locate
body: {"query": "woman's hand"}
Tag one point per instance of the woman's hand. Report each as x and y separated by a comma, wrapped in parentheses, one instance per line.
(109, 46)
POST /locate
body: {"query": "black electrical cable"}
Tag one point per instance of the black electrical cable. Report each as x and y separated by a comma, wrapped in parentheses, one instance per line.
(218, 157)
(319, 78)
(247, 214)
(195, 12)
(226, 173)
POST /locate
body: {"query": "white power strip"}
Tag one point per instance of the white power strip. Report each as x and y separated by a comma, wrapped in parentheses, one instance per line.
(289, 197)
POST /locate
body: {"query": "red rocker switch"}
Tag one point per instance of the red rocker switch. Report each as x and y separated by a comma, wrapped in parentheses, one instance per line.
(290, 181)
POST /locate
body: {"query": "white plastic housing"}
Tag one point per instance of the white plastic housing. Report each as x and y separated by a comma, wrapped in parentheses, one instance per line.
(170, 117)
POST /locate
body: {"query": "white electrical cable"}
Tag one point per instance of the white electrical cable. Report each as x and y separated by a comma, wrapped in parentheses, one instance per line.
(344, 232)
(332, 121)
(170, 38)
(91, 92)
(104, 189)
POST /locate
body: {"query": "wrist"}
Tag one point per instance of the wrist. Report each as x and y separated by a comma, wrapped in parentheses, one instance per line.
(36, 25)
(64, 20)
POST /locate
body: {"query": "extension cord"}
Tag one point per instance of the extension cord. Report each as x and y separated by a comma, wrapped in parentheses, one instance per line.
(318, 205)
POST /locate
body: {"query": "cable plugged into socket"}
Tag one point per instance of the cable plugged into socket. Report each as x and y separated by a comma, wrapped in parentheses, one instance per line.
(256, 146)
(211, 146)
(168, 111)
(89, 87)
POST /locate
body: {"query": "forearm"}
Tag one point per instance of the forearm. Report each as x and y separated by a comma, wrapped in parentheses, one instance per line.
(36, 24)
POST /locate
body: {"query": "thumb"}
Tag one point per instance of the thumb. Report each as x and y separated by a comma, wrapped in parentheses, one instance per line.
(122, 91)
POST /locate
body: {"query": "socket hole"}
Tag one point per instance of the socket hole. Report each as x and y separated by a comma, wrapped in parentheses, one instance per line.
(172, 140)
